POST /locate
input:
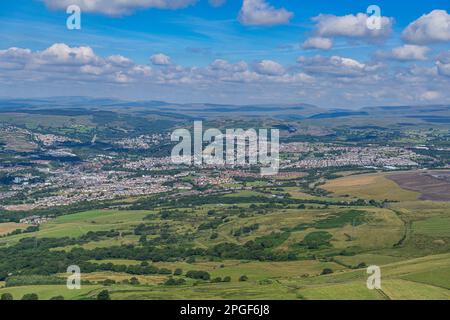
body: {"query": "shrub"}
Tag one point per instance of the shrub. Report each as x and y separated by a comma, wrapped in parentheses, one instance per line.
(57, 298)
(103, 295)
(174, 282)
(361, 265)
(201, 275)
(108, 282)
(226, 279)
(327, 271)
(243, 278)
(178, 272)
(6, 296)
(164, 271)
(30, 296)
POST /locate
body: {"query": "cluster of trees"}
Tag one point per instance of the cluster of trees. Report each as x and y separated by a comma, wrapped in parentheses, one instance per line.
(246, 230)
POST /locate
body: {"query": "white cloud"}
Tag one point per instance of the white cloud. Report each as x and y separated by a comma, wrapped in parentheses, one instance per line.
(443, 64)
(351, 26)
(269, 67)
(407, 52)
(429, 28)
(160, 59)
(259, 12)
(318, 43)
(337, 79)
(334, 66)
(118, 7)
(60, 53)
(71, 63)
(224, 65)
(430, 95)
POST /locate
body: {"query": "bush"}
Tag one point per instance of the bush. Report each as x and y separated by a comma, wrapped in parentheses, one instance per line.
(243, 278)
(174, 282)
(103, 295)
(57, 298)
(316, 239)
(214, 235)
(201, 275)
(164, 271)
(6, 296)
(134, 281)
(361, 265)
(327, 271)
(227, 279)
(178, 272)
(30, 296)
(108, 282)
(190, 260)
(216, 280)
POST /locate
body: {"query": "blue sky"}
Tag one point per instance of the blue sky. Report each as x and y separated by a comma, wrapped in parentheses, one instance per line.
(241, 51)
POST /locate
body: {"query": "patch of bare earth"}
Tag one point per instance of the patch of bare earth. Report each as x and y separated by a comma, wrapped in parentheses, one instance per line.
(433, 185)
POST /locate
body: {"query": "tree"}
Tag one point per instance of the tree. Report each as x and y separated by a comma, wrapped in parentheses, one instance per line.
(7, 296)
(190, 260)
(200, 275)
(103, 295)
(30, 296)
(178, 272)
(134, 281)
(109, 282)
(327, 271)
(243, 278)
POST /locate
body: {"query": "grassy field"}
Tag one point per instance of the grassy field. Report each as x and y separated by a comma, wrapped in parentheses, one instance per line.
(435, 226)
(369, 186)
(77, 224)
(408, 239)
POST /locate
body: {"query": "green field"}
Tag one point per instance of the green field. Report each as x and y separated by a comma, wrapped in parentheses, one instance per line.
(317, 251)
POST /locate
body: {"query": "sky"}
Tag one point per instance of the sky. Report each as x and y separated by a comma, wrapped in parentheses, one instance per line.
(331, 53)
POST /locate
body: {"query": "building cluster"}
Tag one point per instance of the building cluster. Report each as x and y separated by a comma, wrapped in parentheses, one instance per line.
(35, 220)
(319, 155)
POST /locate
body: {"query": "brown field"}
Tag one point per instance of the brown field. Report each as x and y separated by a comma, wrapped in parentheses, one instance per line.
(7, 227)
(432, 185)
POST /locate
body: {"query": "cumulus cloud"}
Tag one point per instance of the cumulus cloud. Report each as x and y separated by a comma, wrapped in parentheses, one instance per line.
(334, 66)
(160, 59)
(443, 64)
(269, 67)
(351, 26)
(224, 65)
(429, 28)
(407, 52)
(325, 79)
(318, 43)
(260, 13)
(63, 61)
(118, 7)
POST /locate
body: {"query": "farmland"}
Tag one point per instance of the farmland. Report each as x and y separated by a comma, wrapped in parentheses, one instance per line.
(352, 241)
(97, 189)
